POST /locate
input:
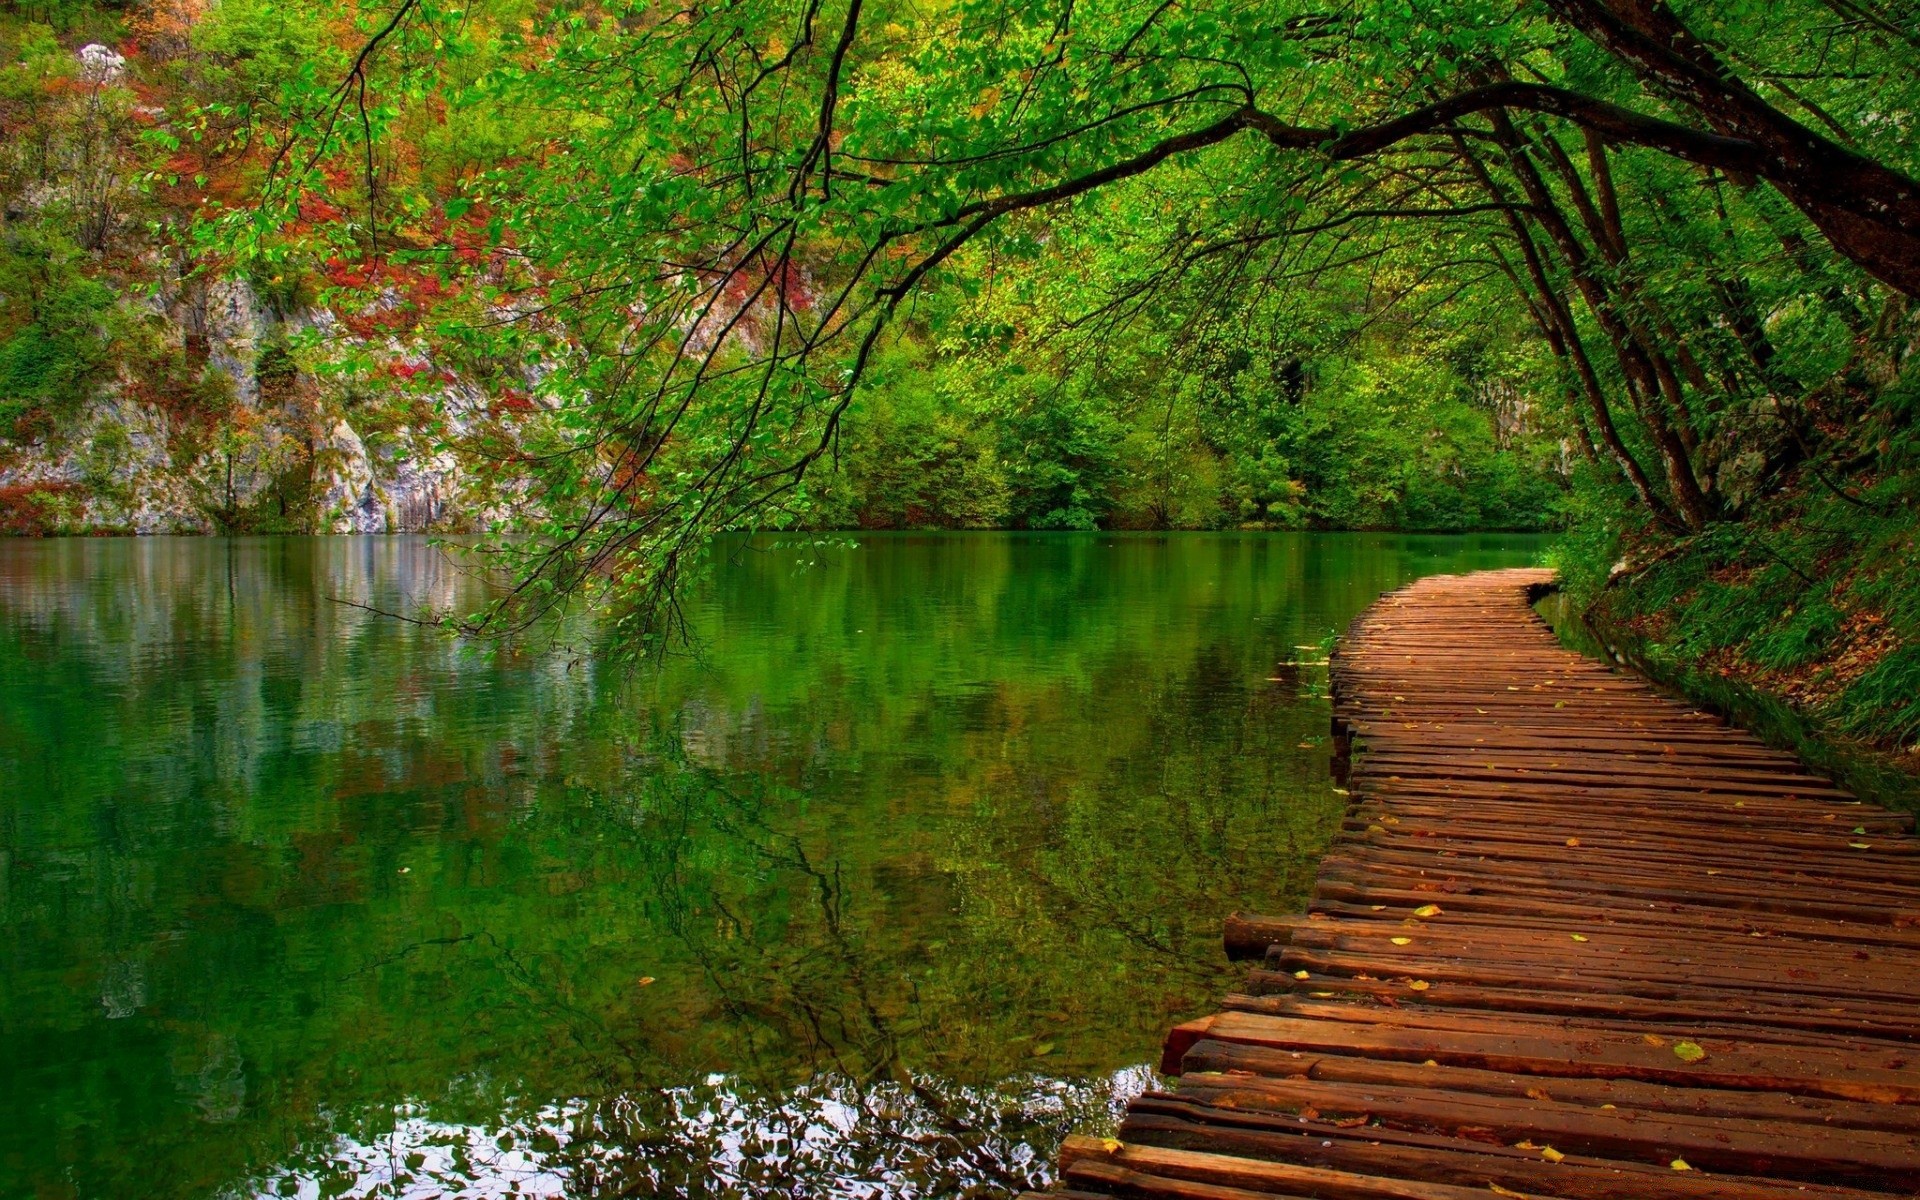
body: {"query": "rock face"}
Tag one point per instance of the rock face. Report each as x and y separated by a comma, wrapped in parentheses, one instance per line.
(291, 453)
(344, 483)
(100, 65)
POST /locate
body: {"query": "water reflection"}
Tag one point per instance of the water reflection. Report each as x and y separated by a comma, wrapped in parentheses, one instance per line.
(835, 1136)
(900, 883)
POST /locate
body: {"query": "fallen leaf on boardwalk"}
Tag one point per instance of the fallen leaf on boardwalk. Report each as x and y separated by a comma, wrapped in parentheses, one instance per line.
(1653, 1039)
(1301, 974)
(1550, 1154)
(1352, 1122)
(1376, 908)
(1861, 845)
(1431, 1063)
(1419, 985)
(1111, 1145)
(1497, 1190)
(1688, 1052)
(1427, 910)
(1578, 937)
(1573, 841)
(1538, 1094)
(1402, 941)
(1681, 1164)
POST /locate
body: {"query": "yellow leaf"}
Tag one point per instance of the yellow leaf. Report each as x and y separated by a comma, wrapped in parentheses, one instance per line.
(1497, 1190)
(1043, 1049)
(1653, 1039)
(646, 981)
(1861, 845)
(1688, 1052)
(1431, 1063)
(1578, 937)
(1402, 941)
(1681, 1164)
(1573, 841)
(1428, 910)
(1419, 985)
(1301, 974)
(1550, 1154)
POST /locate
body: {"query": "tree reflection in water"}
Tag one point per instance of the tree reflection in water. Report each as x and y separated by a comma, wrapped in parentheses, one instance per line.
(900, 883)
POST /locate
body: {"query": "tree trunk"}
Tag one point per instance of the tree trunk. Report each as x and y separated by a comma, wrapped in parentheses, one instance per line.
(1640, 373)
(1869, 211)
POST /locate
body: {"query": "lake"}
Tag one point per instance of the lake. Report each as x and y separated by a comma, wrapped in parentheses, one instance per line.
(894, 878)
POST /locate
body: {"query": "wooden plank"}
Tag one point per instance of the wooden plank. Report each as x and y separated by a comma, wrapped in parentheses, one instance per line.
(1573, 939)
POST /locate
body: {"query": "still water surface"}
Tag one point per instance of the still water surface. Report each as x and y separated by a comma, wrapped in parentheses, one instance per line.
(896, 883)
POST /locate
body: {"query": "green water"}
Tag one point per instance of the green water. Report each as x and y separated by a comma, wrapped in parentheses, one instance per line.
(895, 883)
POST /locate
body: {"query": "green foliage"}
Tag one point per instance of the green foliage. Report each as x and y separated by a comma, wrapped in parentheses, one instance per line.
(56, 334)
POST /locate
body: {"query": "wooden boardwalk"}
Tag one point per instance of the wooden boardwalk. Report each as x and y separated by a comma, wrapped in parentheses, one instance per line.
(1575, 940)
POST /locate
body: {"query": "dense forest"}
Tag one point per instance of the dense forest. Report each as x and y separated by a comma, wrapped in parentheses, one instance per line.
(159, 376)
(624, 277)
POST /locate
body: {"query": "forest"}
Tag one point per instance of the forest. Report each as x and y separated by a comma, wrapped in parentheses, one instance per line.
(628, 277)
(924, 507)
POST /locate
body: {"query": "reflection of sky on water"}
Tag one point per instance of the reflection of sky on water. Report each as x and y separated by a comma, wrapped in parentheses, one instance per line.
(826, 1138)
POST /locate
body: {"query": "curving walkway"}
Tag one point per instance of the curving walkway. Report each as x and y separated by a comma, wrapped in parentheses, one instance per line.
(1575, 940)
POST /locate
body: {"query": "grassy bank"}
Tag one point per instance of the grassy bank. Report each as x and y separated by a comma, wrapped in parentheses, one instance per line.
(1800, 619)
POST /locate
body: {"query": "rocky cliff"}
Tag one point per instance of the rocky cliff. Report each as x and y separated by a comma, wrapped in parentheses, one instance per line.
(147, 388)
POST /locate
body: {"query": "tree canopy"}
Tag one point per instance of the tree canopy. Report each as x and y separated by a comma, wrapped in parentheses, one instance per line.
(1687, 235)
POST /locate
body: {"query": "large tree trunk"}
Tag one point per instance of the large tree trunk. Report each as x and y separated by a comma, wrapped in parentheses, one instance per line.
(1869, 211)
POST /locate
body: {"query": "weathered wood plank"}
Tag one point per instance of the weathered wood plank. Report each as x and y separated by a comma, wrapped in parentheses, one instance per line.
(1573, 939)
